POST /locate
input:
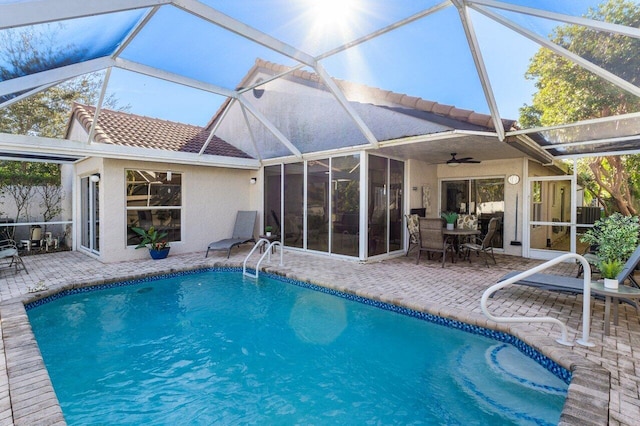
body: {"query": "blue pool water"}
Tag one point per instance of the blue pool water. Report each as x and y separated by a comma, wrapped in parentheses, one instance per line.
(216, 348)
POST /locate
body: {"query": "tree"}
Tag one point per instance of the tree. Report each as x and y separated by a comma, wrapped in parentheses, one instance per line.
(567, 93)
(25, 51)
(19, 181)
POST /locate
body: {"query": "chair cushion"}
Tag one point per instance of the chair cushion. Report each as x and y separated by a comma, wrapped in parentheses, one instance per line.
(413, 226)
(467, 221)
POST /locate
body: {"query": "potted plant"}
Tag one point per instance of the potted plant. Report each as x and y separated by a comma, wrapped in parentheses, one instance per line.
(268, 229)
(154, 241)
(615, 238)
(610, 270)
(450, 218)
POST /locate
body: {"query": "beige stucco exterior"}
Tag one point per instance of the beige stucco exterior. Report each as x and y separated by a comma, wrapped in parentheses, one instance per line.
(211, 196)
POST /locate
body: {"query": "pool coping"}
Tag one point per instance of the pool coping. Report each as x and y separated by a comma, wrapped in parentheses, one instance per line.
(31, 399)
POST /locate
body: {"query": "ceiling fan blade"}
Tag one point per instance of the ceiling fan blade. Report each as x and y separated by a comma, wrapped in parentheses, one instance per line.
(470, 161)
(464, 159)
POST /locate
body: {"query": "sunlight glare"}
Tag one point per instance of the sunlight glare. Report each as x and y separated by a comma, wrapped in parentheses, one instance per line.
(333, 14)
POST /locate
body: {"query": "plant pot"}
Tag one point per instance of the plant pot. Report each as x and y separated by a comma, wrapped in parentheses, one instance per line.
(449, 226)
(611, 283)
(159, 254)
(268, 234)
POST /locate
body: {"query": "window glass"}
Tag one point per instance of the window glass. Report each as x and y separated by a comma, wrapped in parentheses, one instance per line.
(293, 204)
(318, 205)
(154, 199)
(272, 198)
(345, 187)
(378, 202)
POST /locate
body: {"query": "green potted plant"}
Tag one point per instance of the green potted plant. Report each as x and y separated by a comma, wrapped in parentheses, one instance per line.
(450, 218)
(154, 240)
(615, 238)
(268, 229)
(610, 270)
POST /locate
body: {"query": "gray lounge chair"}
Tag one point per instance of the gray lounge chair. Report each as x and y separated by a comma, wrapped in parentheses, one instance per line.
(242, 233)
(574, 285)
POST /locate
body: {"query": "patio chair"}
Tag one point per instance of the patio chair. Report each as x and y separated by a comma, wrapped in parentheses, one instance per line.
(242, 233)
(413, 226)
(568, 284)
(9, 252)
(432, 239)
(483, 245)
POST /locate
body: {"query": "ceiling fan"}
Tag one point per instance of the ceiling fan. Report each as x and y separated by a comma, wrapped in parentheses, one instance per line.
(464, 160)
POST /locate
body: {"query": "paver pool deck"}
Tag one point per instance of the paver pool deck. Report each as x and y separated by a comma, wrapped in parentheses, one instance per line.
(605, 385)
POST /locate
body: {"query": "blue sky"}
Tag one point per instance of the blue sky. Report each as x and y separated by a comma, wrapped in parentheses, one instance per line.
(429, 58)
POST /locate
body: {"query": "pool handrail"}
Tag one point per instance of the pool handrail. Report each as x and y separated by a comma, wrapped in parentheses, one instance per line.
(586, 302)
(267, 252)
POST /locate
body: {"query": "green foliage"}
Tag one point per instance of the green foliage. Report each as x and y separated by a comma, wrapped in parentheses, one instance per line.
(616, 237)
(566, 93)
(450, 217)
(611, 268)
(152, 238)
(20, 172)
(24, 51)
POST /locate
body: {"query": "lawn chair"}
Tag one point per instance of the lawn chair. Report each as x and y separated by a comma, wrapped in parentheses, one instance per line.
(575, 285)
(242, 233)
(483, 245)
(9, 252)
(432, 240)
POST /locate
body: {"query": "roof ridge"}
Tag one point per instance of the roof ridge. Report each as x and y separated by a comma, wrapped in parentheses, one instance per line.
(86, 119)
(400, 99)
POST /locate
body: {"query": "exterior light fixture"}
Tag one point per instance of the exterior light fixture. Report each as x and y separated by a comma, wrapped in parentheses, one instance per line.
(94, 178)
(253, 181)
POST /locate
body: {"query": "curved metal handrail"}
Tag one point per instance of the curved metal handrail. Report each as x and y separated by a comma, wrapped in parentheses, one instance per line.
(586, 302)
(266, 253)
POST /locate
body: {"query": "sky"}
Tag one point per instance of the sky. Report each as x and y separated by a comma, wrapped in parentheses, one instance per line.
(429, 58)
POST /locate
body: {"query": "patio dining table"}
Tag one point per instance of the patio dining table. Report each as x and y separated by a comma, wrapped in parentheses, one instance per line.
(459, 233)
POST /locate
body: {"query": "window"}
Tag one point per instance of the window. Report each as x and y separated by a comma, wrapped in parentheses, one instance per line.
(536, 202)
(154, 199)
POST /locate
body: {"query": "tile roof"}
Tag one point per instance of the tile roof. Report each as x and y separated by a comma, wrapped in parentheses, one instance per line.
(365, 94)
(122, 128)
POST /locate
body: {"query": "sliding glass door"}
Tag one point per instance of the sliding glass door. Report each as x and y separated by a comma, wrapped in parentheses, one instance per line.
(90, 213)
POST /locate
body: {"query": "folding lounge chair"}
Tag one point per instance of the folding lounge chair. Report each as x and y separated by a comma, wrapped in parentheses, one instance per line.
(574, 285)
(242, 233)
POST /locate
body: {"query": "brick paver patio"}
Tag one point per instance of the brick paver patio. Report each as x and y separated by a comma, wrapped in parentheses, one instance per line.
(605, 385)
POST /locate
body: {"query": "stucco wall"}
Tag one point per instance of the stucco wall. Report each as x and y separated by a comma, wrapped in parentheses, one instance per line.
(210, 199)
(422, 177)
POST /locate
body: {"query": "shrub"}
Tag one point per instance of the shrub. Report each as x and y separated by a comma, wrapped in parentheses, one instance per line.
(616, 237)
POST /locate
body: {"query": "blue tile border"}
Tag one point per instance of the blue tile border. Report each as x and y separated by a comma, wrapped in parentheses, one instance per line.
(546, 362)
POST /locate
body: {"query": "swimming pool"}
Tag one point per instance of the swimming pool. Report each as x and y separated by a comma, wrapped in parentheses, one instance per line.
(211, 347)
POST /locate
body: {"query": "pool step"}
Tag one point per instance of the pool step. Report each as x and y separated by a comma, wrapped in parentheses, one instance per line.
(504, 382)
